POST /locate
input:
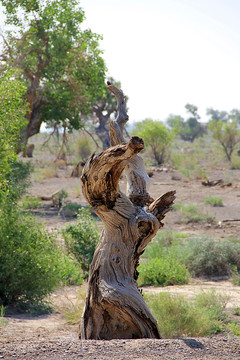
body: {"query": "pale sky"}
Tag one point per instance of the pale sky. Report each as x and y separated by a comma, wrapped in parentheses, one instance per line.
(167, 53)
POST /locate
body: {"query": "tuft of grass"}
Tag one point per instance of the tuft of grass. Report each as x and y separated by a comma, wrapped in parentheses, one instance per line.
(163, 272)
(191, 214)
(178, 317)
(233, 328)
(30, 202)
(214, 201)
(72, 310)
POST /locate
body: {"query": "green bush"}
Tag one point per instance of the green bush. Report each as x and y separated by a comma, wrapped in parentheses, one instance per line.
(29, 260)
(213, 258)
(31, 264)
(163, 272)
(214, 201)
(203, 257)
(178, 317)
(81, 238)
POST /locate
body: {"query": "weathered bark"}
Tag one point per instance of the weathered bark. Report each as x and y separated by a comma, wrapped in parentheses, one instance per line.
(115, 308)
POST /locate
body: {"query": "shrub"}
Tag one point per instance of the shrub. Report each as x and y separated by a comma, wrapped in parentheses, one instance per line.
(191, 214)
(157, 137)
(71, 209)
(208, 257)
(30, 202)
(31, 265)
(201, 256)
(178, 317)
(82, 238)
(214, 201)
(163, 272)
(29, 260)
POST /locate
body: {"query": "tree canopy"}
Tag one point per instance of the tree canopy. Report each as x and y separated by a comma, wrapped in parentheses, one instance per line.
(189, 129)
(61, 64)
(156, 136)
(12, 119)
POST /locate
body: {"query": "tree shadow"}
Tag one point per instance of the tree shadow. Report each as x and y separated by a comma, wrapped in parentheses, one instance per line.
(193, 344)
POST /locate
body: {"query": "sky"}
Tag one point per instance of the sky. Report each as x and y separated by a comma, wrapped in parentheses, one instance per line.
(167, 53)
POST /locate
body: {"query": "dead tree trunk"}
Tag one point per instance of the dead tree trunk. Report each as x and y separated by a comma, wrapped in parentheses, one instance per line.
(115, 308)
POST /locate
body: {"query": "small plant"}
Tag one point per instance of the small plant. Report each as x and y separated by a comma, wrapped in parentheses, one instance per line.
(81, 238)
(163, 272)
(214, 201)
(191, 214)
(71, 209)
(72, 310)
(178, 317)
(30, 202)
(237, 311)
(233, 328)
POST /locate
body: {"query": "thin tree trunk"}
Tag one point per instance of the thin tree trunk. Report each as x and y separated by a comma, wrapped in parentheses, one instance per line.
(115, 308)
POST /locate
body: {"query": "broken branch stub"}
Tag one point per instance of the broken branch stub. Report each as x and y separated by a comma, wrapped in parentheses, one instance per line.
(114, 306)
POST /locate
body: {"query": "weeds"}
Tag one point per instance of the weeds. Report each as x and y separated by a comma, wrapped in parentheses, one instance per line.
(3, 322)
(82, 238)
(191, 214)
(214, 201)
(72, 310)
(178, 317)
(30, 202)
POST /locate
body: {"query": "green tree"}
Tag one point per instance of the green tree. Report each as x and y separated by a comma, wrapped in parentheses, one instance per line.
(189, 129)
(12, 119)
(61, 64)
(227, 134)
(156, 136)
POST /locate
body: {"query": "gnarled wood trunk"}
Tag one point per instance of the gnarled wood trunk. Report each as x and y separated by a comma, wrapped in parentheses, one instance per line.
(115, 308)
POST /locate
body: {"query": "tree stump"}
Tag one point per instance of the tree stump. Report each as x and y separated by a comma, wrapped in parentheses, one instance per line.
(115, 308)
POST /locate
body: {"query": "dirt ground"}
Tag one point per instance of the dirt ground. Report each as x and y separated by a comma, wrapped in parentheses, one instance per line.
(50, 337)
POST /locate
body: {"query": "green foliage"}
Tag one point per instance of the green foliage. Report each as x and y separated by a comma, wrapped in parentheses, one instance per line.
(189, 129)
(156, 136)
(31, 264)
(214, 201)
(62, 64)
(191, 214)
(12, 112)
(178, 317)
(29, 260)
(212, 258)
(71, 209)
(163, 272)
(81, 238)
(227, 135)
(30, 202)
(201, 256)
(233, 328)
